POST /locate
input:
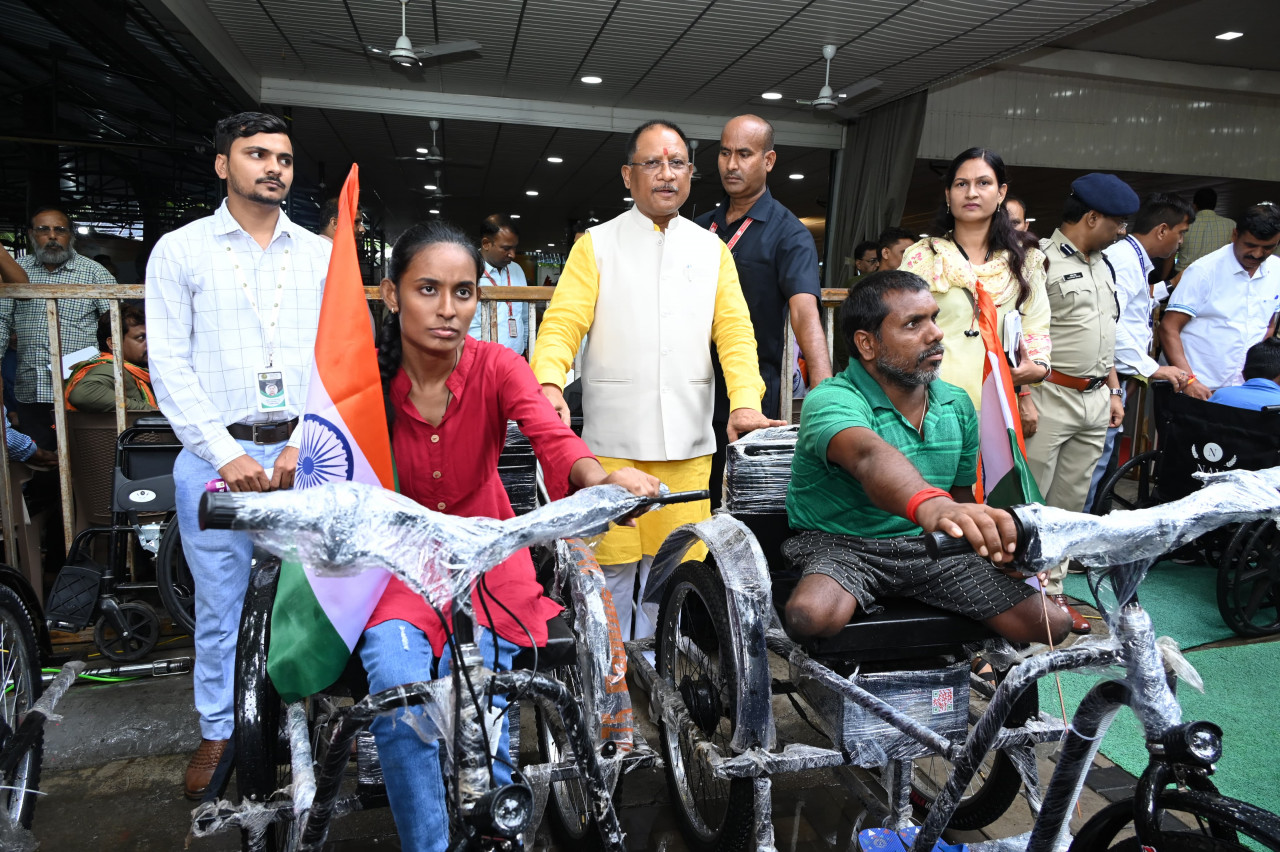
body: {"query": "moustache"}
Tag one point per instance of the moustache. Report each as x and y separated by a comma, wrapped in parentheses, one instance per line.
(666, 187)
(939, 349)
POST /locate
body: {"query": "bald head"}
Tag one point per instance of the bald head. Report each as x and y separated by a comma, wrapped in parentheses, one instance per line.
(746, 158)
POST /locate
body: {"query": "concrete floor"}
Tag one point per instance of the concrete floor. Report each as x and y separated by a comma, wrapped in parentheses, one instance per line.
(113, 768)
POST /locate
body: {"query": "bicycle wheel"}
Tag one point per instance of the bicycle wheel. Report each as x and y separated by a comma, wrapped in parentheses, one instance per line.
(1219, 826)
(1249, 581)
(985, 800)
(173, 579)
(694, 638)
(262, 755)
(568, 803)
(20, 680)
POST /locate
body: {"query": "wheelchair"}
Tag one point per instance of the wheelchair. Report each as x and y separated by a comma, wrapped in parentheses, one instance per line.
(891, 692)
(134, 502)
(583, 651)
(1196, 436)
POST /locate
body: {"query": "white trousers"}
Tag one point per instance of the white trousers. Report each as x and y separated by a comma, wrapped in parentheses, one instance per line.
(621, 580)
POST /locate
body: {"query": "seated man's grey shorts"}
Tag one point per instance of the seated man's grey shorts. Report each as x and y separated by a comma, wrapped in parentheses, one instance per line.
(872, 568)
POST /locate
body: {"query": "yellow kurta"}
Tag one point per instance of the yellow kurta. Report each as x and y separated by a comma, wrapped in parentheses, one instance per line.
(952, 280)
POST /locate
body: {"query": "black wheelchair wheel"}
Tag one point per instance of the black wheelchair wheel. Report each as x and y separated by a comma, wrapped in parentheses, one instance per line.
(1140, 468)
(1249, 581)
(174, 581)
(1213, 824)
(262, 755)
(694, 659)
(140, 634)
(569, 812)
(21, 686)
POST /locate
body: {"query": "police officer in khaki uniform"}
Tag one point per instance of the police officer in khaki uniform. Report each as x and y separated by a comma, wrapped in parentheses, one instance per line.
(1080, 397)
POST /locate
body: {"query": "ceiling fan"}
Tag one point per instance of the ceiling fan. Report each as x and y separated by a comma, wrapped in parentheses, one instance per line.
(431, 155)
(840, 102)
(404, 55)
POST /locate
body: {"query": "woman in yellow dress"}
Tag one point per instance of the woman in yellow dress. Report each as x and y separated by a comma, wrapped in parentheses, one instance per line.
(979, 247)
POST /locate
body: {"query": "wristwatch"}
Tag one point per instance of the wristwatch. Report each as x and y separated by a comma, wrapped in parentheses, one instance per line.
(1117, 391)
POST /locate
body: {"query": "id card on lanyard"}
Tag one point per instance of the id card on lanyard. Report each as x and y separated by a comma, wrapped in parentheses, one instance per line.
(512, 327)
(271, 391)
(733, 241)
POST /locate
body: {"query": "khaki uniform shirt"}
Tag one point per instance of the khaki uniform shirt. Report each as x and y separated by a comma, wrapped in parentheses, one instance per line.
(1083, 309)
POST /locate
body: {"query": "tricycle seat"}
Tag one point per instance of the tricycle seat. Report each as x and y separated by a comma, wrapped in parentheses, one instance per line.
(560, 650)
(905, 629)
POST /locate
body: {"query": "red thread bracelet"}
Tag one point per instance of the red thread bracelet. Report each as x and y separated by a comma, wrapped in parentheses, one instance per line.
(919, 497)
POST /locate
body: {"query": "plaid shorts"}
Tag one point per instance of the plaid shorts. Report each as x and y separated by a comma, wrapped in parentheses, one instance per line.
(872, 568)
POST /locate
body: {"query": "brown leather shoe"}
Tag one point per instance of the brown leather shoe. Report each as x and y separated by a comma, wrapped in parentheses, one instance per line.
(1079, 624)
(200, 769)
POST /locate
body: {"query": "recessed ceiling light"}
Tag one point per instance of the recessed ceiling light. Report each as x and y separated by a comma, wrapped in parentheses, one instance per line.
(772, 96)
(421, 150)
(796, 176)
(82, 230)
(552, 245)
(555, 159)
(842, 95)
(531, 192)
(627, 199)
(428, 186)
(1228, 36)
(1029, 219)
(515, 215)
(592, 79)
(433, 211)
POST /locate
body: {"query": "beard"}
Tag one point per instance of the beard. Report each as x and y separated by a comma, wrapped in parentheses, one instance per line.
(51, 253)
(251, 193)
(911, 375)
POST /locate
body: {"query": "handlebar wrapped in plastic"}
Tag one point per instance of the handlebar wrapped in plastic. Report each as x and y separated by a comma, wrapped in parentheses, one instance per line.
(343, 528)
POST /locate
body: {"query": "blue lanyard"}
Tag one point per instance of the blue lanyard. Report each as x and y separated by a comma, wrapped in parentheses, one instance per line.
(1133, 244)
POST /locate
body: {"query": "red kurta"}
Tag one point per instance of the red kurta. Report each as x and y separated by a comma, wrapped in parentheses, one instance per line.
(453, 468)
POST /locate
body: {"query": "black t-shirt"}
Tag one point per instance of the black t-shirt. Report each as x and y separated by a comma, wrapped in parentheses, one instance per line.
(776, 259)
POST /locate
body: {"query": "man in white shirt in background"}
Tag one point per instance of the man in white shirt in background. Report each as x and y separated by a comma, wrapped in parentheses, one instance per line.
(1225, 303)
(1154, 233)
(499, 240)
(233, 301)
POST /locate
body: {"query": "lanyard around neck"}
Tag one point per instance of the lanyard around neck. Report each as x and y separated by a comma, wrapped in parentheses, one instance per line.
(1133, 244)
(270, 325)
(497, 283)
(733, 241)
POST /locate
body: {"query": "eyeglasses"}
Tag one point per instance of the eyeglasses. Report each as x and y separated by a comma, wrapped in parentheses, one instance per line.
(654, 165)
(51, 229)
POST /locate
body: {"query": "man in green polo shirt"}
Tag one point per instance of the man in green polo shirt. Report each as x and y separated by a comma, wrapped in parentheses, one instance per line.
(887, 451)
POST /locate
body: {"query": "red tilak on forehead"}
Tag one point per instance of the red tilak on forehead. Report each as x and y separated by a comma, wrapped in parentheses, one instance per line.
(664, 152)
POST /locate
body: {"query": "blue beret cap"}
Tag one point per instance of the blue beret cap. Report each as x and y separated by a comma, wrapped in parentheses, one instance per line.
(1107, 194)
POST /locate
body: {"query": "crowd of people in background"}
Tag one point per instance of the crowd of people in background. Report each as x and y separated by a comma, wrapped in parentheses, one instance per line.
(679, 328)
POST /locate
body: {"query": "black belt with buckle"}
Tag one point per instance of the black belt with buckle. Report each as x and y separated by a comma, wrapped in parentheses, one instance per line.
(263, 433)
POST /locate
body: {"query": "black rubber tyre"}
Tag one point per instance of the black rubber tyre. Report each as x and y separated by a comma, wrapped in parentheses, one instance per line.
(1249, 581)
(1222, 825)
(569, 813)
(262, 756)
(143, 626)
(1143, 467)
(174, 581)
(987, 798)
(20, 687)
(693, 659)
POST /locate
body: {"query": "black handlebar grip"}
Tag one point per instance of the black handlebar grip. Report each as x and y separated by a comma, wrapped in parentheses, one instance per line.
(678, 497)
(939, 545)
(218, 510)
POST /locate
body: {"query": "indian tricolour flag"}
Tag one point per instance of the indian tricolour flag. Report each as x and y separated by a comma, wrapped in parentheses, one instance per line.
(1004, 476)
(316, 621)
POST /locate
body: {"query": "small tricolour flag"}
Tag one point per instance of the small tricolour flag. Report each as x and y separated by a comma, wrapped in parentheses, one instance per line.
(1004, 477)
(316, 621)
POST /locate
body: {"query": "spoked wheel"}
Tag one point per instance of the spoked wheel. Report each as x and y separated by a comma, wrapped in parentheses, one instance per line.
(1214, 824)
(1139, 471)
(985, 800)
(262, 755)
(20, 680)
(1249, 581)
(139, 635)
(174, 581)
(695, 659)
(568, 802)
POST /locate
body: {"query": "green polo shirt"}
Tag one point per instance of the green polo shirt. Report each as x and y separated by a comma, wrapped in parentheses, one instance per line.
(824, 496)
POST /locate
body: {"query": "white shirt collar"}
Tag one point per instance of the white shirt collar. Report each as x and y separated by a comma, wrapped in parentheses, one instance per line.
(225, 223)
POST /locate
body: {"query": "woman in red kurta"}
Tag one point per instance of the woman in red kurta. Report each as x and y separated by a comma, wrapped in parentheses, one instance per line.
(448, 399)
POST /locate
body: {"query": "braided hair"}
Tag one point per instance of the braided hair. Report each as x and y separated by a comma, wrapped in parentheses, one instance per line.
(412, 241)
(1002, 235)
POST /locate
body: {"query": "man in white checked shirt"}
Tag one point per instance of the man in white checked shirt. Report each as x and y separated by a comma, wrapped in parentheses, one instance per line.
(233, 301)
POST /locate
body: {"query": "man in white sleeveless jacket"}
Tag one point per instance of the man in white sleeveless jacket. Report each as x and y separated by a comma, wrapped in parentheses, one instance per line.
(655, 291)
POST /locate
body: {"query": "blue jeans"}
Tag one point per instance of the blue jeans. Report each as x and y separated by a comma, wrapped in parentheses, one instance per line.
(219, 562)
(394, 653)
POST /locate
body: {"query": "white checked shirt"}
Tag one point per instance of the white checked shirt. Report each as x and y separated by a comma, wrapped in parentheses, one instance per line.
(1133, 332)
(1229, 313)
(205, 341)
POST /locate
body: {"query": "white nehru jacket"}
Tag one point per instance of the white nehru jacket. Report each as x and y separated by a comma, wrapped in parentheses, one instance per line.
(647, 379)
